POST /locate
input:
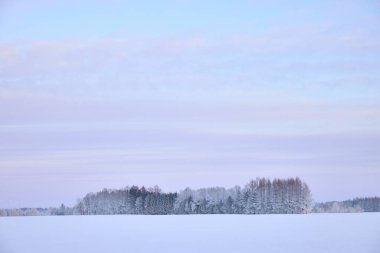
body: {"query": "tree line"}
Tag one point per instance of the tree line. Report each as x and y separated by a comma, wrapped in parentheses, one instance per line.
(259, 196)
(369, 204)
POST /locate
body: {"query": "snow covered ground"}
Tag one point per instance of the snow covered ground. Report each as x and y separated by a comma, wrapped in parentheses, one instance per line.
(338, 233)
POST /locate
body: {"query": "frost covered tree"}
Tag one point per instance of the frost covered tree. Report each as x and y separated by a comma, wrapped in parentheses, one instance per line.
(259, 196)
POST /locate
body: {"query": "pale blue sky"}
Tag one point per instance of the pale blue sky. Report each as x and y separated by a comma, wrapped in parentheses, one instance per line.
(180, 93)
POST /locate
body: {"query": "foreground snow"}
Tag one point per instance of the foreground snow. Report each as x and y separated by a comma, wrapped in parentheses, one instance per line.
(192, 233)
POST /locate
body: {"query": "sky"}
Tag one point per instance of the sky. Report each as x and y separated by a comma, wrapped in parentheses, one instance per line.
(176, 93)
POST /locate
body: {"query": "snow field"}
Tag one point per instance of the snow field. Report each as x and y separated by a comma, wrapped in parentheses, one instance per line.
(338, 233)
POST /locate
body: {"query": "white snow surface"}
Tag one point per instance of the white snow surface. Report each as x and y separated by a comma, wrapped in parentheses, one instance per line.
(338, 233)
